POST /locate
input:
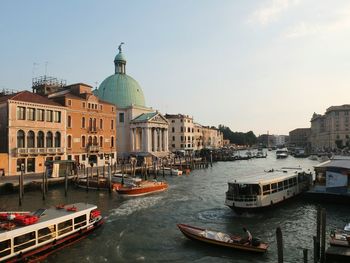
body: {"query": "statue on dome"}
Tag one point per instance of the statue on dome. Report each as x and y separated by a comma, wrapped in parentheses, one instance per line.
(120, 46)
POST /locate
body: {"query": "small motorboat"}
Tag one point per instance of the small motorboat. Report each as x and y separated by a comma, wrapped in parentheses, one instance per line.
(340, 237)
(141, 188)
(222, 239)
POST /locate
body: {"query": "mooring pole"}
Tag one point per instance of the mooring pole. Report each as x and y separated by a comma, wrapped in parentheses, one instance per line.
(110, 178)
(323, 235)
(66, 181)
(279, 244)
(20, 183)
(43, 184)
(305, 255)
(318, 234)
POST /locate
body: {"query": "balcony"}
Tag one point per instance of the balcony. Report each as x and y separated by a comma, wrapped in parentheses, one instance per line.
(93, 148)
(37, 151)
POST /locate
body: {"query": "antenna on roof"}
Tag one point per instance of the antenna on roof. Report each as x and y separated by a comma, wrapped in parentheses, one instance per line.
(46, 63)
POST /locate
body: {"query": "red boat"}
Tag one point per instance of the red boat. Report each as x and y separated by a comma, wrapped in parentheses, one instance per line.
(31, 237)
(141, 188)
(221, 239)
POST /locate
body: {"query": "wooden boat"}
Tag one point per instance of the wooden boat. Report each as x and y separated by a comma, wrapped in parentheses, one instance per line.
(340, 237)
(141, 188)
(221, 239)
(102, 183)
(31, 237)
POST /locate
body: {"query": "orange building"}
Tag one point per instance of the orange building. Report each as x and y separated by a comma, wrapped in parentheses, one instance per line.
(32, 131)
(90, 125)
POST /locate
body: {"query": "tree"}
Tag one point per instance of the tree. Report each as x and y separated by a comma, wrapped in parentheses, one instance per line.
(238, 137)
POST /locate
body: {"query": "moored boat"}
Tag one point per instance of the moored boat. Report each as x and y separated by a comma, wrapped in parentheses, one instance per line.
(31, 237)
(259, 191)
(221, 239)
(141, 188)
(281, 153)
(340, 237)
(170, 171)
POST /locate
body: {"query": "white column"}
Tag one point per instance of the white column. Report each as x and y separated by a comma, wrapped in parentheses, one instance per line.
(155, 145)
(144, 139)
(132, 144)
(160, 148)
(149, 139)
(166, 140)
(146, 149)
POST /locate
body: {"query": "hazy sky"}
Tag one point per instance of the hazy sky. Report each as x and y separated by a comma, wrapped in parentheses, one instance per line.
(250, 65)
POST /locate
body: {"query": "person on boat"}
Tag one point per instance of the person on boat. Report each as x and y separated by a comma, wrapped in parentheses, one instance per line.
(248, 237)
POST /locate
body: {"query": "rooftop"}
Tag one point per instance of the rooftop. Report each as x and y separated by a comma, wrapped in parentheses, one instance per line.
(28, 96)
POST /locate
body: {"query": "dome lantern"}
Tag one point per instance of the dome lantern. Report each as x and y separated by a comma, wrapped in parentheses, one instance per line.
(120, 61)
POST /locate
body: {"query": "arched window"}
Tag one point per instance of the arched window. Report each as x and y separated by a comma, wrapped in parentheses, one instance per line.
(112, 141)
(83, 143)
(101, 141)
(30, 139)
(90, 140)
(20, 139)
(90, 124)
(69, 141)
(57, 139)
(49, 139)
(94, 125)
(83, 122)
(95, 140)
(101, 124)
(40, 140)
(69, 121)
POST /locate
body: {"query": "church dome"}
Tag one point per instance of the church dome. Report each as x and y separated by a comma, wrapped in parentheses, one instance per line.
(119, 88)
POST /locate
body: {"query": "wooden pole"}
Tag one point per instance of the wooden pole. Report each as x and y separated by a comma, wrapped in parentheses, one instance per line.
(305, 255)
(20, 184)
(323, 235)
(43, 185)
(66, 181)
(315, 249)
(318, 234)
(279, 244)
(87, 179)
(110, 178)
(98, 179)
(163, 169)
(211, 158)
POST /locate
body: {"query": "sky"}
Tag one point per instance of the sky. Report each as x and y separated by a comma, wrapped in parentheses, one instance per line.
(264, 65)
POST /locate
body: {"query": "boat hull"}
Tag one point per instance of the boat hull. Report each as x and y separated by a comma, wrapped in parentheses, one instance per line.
(40, 253)
(193, 234)
(143, 189)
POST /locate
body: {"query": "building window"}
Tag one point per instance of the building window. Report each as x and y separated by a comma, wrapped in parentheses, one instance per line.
(112, 108)
(20, 139)
(189, 138)
(182, 138)
(101, 107)
(83, 142)
(90, 140)
(49, 139)
(101, 141)
(21, 162)
(101, 156)
(188, 129)
(69, 157)
(57, 139)
(69, 103)
(31, 114)
(112, 124)
(40, 140)
(172, 121)
(173, 138)
(69, 122)
(182, 129)
(112, 142)
(40, 115)
(21, 113)
(83, 157)
(95, 126)
(31, 165)
(69, 141)
(30, 139)
(57, 116)
(49, 115)
(83, 122)
(173, 129)
(173, 145)
(101, 124)
(121, 117)
(89, 105)
(95, 140)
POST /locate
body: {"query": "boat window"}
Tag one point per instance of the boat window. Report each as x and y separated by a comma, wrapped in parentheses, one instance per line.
(266, 189)
(294, 181)
(79, 221)
(46, 233)
(285, 184)
(290, 182)
(24, 241)
(65, 227)
(274, 187)
(5, 248)
(280, 186)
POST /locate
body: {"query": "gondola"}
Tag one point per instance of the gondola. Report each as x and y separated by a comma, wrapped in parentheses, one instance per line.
(222, 239)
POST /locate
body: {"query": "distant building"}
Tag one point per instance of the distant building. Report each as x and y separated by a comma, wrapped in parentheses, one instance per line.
(226, 142)
(331, 130)
(212, 137)
(300, 137)
(281, 140)
(32, 131)
(181, 132)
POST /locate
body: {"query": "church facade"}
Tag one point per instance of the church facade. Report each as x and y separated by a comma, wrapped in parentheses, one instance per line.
(140, 129)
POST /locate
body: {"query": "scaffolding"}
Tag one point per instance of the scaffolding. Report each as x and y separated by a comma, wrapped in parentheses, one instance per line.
(5, 92)
(45, 85)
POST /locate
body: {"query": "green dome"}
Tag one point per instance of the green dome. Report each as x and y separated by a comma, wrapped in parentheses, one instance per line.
(119, 57)
(121, 90)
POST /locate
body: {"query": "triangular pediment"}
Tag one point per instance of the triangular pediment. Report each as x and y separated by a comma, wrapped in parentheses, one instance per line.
(150, 117)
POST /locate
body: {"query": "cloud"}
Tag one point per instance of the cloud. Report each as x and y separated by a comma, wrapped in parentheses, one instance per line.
(336, 22)
(270, 12)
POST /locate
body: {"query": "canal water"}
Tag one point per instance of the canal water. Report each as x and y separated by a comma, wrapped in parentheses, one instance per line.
(143, 229)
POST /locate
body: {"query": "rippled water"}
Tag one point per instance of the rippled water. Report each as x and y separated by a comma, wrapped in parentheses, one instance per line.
(143, 229)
